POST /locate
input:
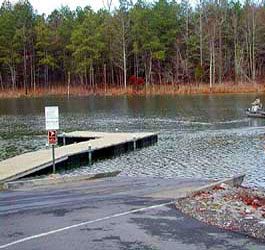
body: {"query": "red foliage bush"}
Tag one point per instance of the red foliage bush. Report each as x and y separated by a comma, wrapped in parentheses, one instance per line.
(140, 81)
(136, 81)
(132, 79)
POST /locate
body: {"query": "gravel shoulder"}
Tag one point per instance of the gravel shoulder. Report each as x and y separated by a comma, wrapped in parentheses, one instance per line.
(235, 208)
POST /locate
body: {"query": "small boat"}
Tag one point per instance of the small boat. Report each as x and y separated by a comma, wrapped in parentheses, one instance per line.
(257, 114)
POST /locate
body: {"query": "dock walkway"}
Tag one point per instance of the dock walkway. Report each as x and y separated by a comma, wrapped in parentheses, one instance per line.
(100, 145)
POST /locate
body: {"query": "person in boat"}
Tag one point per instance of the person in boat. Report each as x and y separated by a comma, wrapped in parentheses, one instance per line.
(256, 105)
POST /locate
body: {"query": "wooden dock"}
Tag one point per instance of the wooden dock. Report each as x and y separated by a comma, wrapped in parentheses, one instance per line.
(80, 147)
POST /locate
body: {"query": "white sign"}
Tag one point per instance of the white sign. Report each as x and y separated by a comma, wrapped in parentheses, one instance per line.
(52, 118)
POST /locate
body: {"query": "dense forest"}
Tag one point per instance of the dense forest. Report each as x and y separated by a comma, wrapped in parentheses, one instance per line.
(145, 43)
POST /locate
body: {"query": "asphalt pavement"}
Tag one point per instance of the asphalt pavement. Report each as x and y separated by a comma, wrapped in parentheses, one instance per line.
(112, 213)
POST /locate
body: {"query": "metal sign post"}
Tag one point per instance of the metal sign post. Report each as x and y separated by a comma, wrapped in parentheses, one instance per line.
(52, 124)
(52, 140)
(53, 159)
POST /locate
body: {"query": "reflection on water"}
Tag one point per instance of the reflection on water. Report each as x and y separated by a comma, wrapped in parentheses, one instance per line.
(202, 136)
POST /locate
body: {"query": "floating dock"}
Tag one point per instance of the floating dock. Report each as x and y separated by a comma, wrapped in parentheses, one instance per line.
(77, 148)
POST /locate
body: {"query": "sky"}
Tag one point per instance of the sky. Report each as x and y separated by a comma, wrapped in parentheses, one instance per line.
(47, 6)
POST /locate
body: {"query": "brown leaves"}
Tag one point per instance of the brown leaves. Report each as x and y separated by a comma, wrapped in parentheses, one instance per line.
(254, 201)
(218, 187)
(233, 208)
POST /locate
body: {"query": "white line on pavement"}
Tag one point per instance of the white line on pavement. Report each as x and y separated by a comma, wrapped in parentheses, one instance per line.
(83, 224)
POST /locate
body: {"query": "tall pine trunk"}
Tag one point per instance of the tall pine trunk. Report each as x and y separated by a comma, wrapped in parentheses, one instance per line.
(68, 83)
(1, 81)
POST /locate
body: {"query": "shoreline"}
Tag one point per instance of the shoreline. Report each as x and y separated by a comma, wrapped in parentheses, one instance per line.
(155, 90)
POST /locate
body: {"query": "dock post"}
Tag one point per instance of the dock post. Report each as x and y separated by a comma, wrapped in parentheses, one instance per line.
(89, 154)
(134, 143)
(64, 139)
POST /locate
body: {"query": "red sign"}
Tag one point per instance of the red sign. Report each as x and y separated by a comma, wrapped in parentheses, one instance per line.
(52, 138)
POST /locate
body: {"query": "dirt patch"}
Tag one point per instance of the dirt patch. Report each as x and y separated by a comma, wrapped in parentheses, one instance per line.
(240, 209)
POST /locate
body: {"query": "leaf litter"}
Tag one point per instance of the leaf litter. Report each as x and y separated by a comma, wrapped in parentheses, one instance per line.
(240, 209)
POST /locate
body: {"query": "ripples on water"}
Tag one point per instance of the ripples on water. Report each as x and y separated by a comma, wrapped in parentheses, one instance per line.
(193, 142)
(208, 153)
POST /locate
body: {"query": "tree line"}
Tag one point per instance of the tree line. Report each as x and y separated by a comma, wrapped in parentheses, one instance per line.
(160, 42)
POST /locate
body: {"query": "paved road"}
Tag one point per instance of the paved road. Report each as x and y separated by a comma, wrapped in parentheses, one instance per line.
(115, 213)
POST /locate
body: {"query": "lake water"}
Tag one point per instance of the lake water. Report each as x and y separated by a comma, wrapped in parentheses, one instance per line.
(199, 136)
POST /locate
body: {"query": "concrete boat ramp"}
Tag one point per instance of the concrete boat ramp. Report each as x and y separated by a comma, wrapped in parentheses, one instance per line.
(80, 147)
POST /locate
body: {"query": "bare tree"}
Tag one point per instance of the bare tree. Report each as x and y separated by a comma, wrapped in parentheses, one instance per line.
(107, 4)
